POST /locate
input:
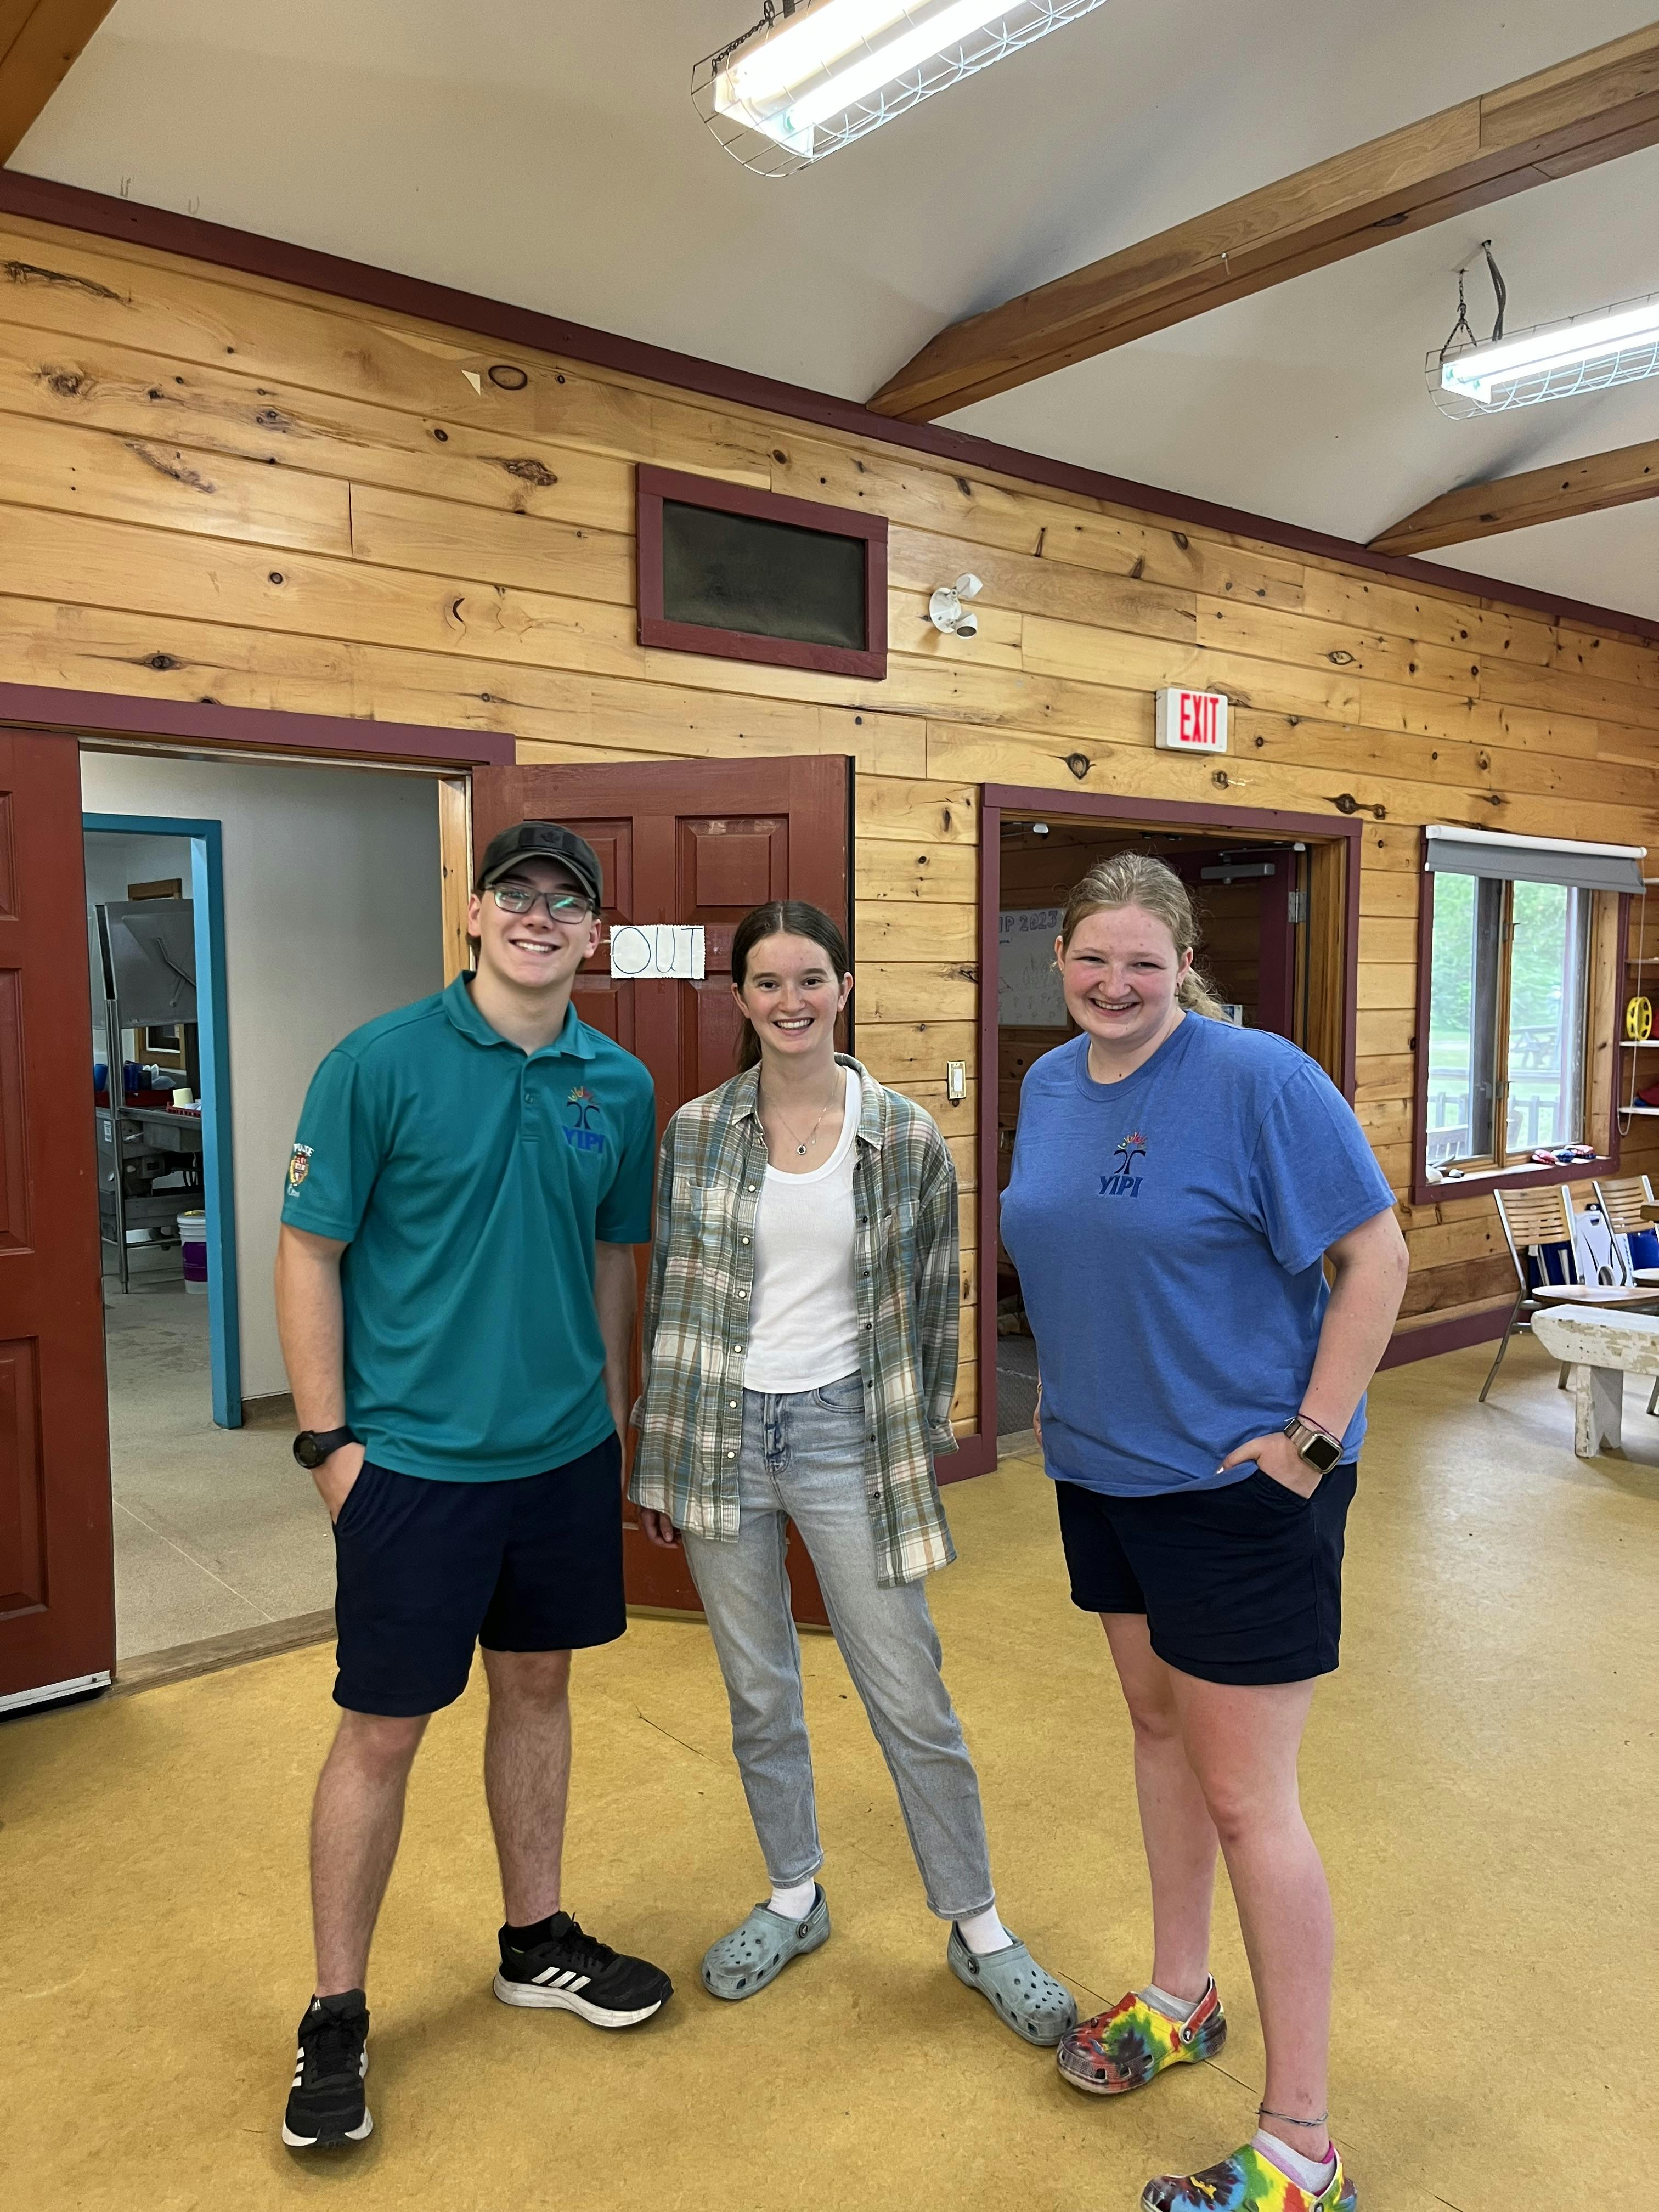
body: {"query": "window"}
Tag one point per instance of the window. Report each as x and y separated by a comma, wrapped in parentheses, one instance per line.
(1520, 945)
(1509, 996)
(746, 575)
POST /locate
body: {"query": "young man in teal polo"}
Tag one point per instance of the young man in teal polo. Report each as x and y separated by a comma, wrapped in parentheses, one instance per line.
(455, 1293)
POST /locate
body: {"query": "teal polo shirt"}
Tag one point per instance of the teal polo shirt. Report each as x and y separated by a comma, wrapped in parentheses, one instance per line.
(469, 1181)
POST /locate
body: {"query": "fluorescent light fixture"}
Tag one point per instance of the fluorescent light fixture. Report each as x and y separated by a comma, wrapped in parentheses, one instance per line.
(803, 83)
(1553, 361)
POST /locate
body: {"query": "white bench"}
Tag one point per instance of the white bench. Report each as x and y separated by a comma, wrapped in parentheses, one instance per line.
(1601, 1349)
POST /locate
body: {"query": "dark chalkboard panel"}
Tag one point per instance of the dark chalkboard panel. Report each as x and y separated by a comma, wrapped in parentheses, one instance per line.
(741, 572)
(745, 573)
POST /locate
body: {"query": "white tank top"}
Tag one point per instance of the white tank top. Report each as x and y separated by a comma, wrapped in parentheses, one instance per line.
(804, 1326)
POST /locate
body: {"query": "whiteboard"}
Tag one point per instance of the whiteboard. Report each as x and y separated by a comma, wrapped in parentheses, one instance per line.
(1028, 995)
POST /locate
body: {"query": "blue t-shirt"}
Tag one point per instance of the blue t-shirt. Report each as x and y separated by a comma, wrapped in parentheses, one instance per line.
(1168, 1231)
(469, 1181)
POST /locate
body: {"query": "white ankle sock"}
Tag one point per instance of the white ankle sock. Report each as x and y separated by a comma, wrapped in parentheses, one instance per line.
(983, 1931)
(1312, 2174)
(793, 1904)
(1172, 2007)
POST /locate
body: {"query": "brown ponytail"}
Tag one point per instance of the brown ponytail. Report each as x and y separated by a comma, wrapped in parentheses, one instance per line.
(1141, 879)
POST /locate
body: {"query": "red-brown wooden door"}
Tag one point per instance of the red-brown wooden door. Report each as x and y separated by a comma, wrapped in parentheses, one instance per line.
(687, 841)
(56, 1594)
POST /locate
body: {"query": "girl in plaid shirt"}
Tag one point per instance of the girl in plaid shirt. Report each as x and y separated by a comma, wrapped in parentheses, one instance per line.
(801, 1353)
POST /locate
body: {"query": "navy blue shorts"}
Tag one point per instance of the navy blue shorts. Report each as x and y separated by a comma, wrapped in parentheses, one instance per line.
(1239, 1585)
(426, 1570)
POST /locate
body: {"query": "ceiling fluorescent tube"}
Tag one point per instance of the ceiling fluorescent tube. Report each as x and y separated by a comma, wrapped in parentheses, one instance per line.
(1588, 353)
(812, 82)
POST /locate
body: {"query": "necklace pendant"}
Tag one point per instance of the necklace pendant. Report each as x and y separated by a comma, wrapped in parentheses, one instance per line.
(801, 1151)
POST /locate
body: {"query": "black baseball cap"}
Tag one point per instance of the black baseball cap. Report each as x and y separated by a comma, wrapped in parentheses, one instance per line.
(544, 840)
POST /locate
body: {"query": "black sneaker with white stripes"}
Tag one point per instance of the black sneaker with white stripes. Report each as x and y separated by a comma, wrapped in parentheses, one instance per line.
(325, 2105)
(567, 1970)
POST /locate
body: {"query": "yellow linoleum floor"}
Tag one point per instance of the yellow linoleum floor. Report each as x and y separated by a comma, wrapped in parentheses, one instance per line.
(1480, 1774)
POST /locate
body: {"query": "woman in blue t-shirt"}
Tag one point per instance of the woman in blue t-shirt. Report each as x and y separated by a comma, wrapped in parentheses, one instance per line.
(1178, 1185)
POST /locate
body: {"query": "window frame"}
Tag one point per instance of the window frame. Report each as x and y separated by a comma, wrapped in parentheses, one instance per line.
(1608, 934)
(653, 486)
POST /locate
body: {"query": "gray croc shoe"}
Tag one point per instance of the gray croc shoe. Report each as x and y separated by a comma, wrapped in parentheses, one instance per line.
(1032, 2001)
(757, 1953)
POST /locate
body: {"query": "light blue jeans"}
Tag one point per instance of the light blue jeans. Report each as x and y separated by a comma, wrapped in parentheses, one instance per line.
(802, 1461)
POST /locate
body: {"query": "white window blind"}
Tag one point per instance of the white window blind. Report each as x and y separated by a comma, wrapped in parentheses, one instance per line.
(1533, 859)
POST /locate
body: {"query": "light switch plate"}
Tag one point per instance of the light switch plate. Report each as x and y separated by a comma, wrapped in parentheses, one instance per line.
(955, 1080)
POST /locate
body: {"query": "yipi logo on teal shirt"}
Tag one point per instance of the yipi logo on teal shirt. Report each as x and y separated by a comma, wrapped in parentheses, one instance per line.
(1123, 1182)
(581, 1112)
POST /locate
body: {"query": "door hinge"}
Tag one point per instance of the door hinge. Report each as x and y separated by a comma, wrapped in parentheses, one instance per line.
(1298, 906)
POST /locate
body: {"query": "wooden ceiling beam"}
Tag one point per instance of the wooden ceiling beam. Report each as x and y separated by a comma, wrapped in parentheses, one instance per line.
(40, 41)
(1587, 110)
(1484, 510)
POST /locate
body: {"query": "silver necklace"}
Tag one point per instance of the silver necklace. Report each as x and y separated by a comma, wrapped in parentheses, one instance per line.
(802, 1150)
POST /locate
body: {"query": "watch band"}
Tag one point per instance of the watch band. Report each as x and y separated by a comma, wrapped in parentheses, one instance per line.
(1314, 1444)
(312, 1446)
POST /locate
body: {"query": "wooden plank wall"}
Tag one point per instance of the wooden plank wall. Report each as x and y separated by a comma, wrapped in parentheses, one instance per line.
(215, 486)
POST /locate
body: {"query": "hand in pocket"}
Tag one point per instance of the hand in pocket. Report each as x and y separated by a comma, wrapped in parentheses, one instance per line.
(337, 1477)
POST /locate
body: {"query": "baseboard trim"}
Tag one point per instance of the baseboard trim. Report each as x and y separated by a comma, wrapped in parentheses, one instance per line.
(1485, 1325)
(274, 1410)
(149, 1670)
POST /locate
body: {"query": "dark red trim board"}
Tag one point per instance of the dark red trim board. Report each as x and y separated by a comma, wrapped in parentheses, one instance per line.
(104, 216)
(108, 714)
(973, 1456)
(1407, 1344)
(996, 800)
(653, 486)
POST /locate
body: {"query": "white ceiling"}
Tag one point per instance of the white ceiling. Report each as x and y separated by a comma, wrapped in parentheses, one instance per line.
(546, 153)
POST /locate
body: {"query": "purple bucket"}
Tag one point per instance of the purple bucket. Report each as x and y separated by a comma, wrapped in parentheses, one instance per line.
(192, 1235)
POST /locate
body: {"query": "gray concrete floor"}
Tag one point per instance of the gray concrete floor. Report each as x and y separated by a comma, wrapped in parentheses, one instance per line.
(1016, 1384)
(215, 1529)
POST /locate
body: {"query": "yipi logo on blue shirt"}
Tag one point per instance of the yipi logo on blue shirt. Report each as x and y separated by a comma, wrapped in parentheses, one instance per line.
(582, 1112)
(1123, 1182)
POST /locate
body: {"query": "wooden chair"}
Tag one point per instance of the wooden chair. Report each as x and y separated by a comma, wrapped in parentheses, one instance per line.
(1621, 1199)
(1533, 1221)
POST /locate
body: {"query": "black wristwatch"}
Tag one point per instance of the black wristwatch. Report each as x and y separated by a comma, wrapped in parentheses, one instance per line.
(1318, 1447)
(312, 1446)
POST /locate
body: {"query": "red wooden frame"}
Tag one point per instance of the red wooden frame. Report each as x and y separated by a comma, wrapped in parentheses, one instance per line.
(654, 485)
(261, 729)
(1425, 1193)
(996, 800)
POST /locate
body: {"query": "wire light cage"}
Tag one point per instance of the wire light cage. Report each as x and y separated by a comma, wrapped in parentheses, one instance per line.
(814, 75)
(1591, 352)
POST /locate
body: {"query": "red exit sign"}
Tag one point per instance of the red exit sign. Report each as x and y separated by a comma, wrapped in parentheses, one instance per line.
(1192, 721)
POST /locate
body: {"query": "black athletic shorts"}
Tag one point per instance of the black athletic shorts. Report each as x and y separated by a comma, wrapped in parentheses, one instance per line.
(1239, 1584)
(426, 1570)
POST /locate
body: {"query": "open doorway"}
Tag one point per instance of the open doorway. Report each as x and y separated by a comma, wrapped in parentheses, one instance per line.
(244, 914)
(1275, 898)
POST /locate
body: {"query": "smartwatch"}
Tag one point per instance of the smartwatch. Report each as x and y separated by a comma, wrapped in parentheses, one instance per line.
(1318, 1447)
(312, 1446)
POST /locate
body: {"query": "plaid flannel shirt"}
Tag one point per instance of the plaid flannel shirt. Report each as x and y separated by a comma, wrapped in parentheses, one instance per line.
(689, 1417)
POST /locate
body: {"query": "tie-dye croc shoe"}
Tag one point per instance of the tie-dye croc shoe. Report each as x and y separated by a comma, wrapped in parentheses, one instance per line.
(1246, 2182)
(1126, 2047)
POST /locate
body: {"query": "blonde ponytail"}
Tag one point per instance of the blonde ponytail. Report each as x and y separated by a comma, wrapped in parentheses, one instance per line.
(1141, 879)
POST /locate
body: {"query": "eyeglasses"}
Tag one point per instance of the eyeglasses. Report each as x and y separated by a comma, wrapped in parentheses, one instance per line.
(562, 906)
